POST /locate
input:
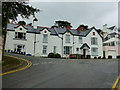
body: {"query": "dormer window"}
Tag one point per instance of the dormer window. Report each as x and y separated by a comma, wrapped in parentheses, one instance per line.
(45, 38)
(19, 35)
(93, 33)
(67, 38)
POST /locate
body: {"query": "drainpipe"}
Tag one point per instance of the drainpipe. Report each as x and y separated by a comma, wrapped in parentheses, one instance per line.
(34, 43)
(62, 45)
(35, 28)
(73, 44)
(61, 39)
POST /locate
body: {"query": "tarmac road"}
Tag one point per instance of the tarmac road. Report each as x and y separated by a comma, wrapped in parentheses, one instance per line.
(63, 73)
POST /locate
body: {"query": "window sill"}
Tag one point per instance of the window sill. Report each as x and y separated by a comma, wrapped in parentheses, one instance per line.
(94, 44)
(67, 42)
(44, 54)
(19, 39)
(94, 55)
(44, 42)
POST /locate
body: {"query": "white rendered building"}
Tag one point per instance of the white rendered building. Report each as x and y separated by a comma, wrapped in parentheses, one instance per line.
(41, 41)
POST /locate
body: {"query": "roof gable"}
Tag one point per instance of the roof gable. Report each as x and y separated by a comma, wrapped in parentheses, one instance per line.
(85, 46)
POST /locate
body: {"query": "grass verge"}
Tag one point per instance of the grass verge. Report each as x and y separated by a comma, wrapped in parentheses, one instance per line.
(10, 63)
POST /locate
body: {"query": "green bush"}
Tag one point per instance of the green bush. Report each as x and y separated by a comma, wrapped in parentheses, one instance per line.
(54, 55)
(95, 57)
(99, 57)
(109, 57)
(57, 55)
(51, 55)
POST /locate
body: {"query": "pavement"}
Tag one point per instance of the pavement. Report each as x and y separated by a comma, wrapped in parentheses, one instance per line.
(63, 73)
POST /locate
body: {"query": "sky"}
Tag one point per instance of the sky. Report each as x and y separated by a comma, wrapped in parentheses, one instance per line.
(88, 13)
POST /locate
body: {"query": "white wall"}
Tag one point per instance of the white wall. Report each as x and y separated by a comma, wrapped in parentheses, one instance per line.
(52, 41)
(87, 40)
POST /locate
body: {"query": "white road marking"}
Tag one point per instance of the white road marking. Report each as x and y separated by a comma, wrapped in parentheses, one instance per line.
(35, 64)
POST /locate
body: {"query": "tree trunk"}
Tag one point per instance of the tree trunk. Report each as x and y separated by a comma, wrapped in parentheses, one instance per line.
(3, 45)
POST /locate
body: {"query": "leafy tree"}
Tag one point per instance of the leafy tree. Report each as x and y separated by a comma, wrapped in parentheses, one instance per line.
(62, 24)
(11, 10)
(22, 22)
(30, 24)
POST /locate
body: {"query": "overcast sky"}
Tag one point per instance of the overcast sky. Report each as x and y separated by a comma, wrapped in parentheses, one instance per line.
(89, 13)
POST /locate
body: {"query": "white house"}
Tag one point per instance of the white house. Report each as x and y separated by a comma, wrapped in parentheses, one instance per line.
(41, 41)
(111, 45)
(107, 30)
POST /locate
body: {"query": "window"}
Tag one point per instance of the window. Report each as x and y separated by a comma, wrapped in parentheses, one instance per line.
(19, 48)
(112, 43)
(94, 51)
(20, 28)
(54, 49)
(93, 41)
(45, 38)
(109, 36)
(19, 35)
(44, 50)
(77, 49)
(67, 50)
(67, 38)
(93, 33)
(80, 39)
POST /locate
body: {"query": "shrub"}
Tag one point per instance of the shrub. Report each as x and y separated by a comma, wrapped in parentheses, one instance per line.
(109, 57)
(99, 57)
(118, 57)
(54, 55)
(88, 57)
(103, 57)
(8, 50)
(51, 55)
(57, 55)
(82, 57)
(95, 57)
(12, 51)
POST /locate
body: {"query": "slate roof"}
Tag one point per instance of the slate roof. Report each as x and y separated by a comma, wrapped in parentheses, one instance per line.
(112, 35)
(30, 29)
(111, 27)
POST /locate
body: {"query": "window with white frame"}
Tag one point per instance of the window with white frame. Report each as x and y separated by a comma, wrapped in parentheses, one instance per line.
(44, 49)
(67, 38)
(94, 41)
(45, 38)
(19, 48)
(67, 50)
(54, 49)
(19, 35)
(80, 39)
(94, 51)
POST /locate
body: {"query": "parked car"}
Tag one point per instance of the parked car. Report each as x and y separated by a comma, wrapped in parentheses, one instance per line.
(74, 56)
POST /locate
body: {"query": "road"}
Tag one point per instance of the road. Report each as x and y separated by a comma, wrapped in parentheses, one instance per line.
(63, 73)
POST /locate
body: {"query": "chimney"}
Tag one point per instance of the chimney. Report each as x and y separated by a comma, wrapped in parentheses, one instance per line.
(105, 26)
(80, 28)
(35, 23)
(69, 27)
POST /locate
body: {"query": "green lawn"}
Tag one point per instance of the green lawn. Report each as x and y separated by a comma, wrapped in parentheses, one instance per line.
(10, 63)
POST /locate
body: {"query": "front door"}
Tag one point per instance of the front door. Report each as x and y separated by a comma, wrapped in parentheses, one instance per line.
(84, 52)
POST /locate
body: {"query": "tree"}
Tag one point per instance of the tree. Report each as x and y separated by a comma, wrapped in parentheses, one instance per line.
(62, 24)
(11, 10)
(22, 22)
